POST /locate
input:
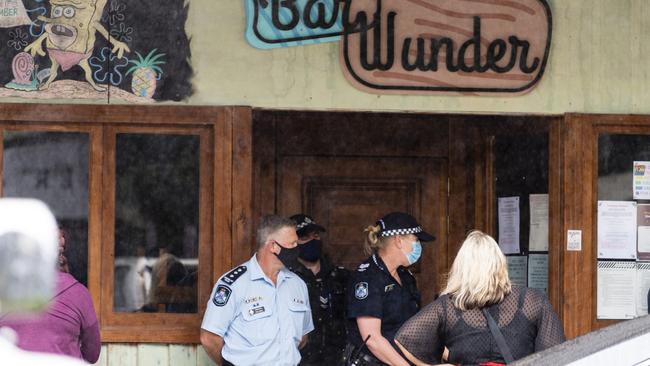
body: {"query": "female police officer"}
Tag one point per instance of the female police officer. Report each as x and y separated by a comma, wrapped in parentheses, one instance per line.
(382, 293)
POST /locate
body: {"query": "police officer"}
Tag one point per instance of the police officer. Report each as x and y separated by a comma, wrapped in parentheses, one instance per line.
(326, 285)
(383, 293)
(259, 312)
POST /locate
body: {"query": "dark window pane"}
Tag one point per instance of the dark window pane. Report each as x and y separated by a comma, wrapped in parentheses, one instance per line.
(156, 223)
(616, 156)
(53, 167)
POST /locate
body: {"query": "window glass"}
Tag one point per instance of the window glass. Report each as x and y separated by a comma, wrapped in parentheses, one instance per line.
(522, 171)
(53, 167)
(156, 223)
(616, 157)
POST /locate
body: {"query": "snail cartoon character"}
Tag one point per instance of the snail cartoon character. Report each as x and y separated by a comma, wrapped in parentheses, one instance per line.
(70, 35)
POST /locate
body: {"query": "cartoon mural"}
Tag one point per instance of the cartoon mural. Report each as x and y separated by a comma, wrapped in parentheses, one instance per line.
(94, 49)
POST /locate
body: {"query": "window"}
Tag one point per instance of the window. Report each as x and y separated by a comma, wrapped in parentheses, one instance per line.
(134, 189)
(53, 167)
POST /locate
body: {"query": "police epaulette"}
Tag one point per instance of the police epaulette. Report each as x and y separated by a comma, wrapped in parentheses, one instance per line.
(233, 275)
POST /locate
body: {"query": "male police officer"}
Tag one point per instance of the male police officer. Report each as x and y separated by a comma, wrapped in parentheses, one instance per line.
(326, 285)
(259, 312)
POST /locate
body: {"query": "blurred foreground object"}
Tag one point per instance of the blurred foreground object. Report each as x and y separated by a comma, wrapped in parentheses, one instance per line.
(622, 344)
(28, 254)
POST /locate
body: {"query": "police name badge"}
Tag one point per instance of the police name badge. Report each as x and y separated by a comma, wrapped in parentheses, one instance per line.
(361, 290)
(221, 295)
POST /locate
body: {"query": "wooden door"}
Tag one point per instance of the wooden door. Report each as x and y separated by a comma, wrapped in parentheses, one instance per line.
(349, 169)
(346, 194)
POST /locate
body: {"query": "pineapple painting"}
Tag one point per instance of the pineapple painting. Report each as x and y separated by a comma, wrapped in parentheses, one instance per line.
(146, 72)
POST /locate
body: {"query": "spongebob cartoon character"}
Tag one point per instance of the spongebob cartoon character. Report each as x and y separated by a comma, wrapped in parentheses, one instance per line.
(70, 35)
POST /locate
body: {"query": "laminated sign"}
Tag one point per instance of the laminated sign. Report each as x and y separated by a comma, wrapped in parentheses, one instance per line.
(469, 47)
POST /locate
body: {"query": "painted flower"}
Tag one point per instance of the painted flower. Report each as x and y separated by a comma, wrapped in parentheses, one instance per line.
(122, 33)
(115, 12)
(107, 67)
(17, 39)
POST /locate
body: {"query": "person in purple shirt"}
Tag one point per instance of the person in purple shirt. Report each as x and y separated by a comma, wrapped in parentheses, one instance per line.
(69, 325)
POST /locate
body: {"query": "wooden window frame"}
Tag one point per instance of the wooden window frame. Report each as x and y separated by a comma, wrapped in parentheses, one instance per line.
(580, 135)
(225, 207)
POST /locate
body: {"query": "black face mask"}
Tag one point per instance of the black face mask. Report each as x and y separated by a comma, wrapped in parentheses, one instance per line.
(311, 250)
(287, 256)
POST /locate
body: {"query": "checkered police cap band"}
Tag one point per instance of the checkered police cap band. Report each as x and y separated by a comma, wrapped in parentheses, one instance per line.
(413, 230)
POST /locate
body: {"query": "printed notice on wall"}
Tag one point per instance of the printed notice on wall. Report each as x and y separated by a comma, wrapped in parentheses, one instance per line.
(616, 289)
(538, 239)
(641, 183)
(642, 287)
(643, 231)
(518, 269)
(574, 240)
(617, 229)
(509, 224)
(538, 271)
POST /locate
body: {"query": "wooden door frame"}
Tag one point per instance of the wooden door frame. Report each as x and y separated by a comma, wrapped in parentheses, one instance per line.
(468, 188)
(580, 194)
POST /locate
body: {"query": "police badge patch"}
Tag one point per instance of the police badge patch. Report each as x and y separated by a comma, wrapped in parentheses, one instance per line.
(221, 295)
(361, 290)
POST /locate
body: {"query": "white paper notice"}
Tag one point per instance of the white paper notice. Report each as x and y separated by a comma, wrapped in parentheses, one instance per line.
(617, 229)
(642, 287)
(641, 183)
(616, 285)
(509, 224)
(538, 271)
(574, 240)
(538, 239)
(518, 269)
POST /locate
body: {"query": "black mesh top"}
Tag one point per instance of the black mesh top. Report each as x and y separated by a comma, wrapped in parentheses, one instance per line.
(525, 317)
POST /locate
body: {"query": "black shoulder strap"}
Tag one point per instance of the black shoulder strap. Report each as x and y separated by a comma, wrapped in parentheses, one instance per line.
(233, 275)
(498, 336)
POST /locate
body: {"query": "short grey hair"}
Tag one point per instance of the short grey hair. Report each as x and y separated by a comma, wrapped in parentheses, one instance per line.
(270, 224)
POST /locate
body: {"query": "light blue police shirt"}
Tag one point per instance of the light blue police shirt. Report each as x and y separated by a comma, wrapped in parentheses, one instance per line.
(261, 324)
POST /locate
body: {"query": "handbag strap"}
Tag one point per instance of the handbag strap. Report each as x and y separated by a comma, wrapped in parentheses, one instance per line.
(498, 336)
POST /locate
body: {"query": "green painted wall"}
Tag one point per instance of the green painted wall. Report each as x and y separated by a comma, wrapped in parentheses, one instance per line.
(598, 63)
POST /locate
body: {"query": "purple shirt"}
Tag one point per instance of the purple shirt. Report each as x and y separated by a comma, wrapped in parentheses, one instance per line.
(68, 326)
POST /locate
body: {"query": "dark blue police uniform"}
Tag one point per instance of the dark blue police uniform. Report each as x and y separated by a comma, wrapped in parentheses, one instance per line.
(375, 293)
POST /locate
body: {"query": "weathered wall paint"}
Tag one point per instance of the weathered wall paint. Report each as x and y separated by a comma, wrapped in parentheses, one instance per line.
(596, 65)
(153, 355)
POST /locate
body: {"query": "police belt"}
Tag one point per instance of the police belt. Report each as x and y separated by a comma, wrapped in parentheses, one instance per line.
(361, 358)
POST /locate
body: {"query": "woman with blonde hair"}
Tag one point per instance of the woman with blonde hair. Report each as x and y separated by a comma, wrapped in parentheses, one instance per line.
(382, 293)
(481, 318)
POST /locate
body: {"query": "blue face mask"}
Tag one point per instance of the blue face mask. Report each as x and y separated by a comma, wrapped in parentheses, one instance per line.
(415, 253)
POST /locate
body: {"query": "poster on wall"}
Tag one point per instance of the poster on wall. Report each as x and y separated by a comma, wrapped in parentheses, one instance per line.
(508, 209)
(642, 287)
(643, 231)
(131, 51)
(617, 229)
(538, 238)
(518, 269)
(615, 290)
(538, 271)
(641, 183)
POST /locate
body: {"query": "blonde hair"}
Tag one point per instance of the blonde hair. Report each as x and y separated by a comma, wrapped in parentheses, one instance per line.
(373, 240)
(479, 274)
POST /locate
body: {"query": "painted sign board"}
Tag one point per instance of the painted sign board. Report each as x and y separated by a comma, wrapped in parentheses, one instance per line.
(471, 47)
(282, 23)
